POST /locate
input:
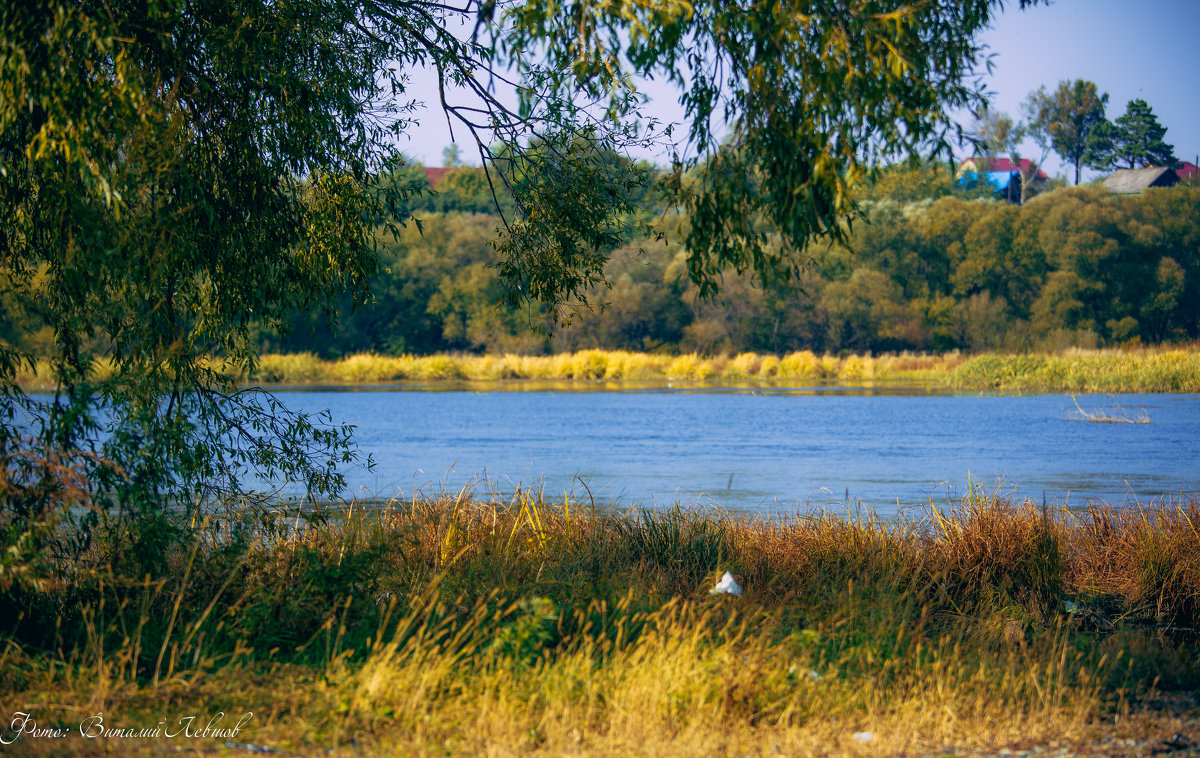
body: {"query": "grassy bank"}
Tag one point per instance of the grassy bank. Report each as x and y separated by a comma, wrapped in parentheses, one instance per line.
(1082, 371)
(1137, 370)
(306, 369)
(456, 627)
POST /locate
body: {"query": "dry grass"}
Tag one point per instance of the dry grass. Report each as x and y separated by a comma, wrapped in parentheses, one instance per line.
(455, 626)
(1082, 371)
(1098, 371)
(605, 366)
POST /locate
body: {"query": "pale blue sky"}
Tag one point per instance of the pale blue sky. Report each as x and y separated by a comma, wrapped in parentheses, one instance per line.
(1130, 48)
(1145, 49)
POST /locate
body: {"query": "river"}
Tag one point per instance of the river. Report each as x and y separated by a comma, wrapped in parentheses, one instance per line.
(768, 450)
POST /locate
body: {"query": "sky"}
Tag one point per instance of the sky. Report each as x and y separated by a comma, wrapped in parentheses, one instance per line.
(1130, 48)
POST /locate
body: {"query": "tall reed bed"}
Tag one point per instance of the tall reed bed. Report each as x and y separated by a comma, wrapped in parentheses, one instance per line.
(602, 365)
(459, 626)
(1139, 370)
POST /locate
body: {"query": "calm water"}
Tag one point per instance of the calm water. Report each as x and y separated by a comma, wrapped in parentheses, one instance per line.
(768, 451)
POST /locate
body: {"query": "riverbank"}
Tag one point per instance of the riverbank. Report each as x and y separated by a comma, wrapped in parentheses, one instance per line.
(1158, 370)
(1109, 371)
(457, 627)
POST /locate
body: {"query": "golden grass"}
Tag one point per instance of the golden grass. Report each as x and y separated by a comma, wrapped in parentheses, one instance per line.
(1078, 371)
(455, 626)
(603, 366)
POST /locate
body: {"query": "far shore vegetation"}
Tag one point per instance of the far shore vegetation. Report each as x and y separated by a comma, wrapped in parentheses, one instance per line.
(928, 270)
(1141, 370)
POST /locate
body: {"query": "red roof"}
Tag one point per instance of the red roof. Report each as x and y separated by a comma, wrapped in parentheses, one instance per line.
(1004, 164)
(434, 174)
(1187, 170)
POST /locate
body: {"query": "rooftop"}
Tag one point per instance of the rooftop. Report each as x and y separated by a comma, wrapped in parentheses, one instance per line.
(1130, 180)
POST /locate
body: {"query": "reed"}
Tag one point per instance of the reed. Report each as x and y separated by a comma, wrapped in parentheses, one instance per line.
(458, 625)
(1075, 371)
(802, 365)
(602, 365)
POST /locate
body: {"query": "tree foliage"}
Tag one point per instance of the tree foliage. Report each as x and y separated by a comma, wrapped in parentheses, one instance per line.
(171, 176)
(1139, 138)
(1067, 116)
(940, 272)
(810, 93)
(179, 177)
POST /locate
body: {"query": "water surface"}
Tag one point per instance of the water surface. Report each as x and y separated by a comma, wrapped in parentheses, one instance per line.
(774, 450)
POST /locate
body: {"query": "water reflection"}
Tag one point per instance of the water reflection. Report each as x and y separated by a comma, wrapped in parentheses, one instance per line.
(762, 387)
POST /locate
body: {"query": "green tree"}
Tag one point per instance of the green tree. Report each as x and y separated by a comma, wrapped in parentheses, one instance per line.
(1099, 272)
(911, 181)
(1100, 146)
(452, 156)
(172, 175)
(643, 311)
(807, 97)
(399, 317)
(889, 242)
(867, 312)
(466, 190)
(1067, 117)
(941, 229)
(1161, 306)
(988, 245)
(176, 176)
(1170, 225)
(997, 134)
(1139, 138)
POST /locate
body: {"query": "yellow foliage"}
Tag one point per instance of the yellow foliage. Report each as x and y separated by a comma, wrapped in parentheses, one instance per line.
(801, 365)
(743, 366)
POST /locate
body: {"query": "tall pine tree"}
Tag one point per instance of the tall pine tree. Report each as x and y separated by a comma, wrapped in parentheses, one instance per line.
(1138, 141)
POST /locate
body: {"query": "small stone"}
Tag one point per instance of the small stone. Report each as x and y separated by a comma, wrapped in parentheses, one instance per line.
(727, 586)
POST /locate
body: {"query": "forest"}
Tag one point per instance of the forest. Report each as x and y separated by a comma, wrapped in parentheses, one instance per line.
(930, 267)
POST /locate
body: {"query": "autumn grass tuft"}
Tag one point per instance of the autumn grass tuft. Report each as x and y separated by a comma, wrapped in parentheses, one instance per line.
(459, 626)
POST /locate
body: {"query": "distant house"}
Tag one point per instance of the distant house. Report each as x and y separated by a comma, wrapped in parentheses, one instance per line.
(981, 165)
(434, 174)
(1188, 172)
(1004, 175)
(1129, 181)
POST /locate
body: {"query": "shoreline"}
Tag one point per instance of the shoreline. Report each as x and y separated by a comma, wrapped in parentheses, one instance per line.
(1164, 369)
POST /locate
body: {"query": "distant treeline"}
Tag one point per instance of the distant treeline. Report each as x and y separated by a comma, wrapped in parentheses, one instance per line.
(929, 269)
